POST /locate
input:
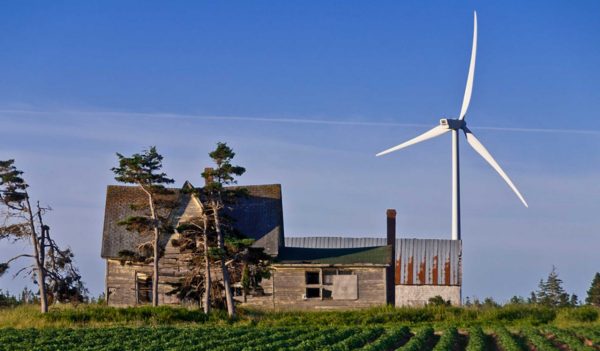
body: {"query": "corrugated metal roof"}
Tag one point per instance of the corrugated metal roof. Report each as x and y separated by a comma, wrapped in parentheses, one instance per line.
(418, 261)
(332, 242)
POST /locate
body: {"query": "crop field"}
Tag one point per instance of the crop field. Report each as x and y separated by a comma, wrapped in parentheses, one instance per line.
(297, 338)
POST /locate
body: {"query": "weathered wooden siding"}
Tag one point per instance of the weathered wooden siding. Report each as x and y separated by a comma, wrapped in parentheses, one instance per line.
(121, 283)
(289, 288)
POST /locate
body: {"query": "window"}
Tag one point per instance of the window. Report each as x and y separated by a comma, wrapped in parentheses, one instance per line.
(331, 283)
(313, 278)
(313, 293)
(143, 288)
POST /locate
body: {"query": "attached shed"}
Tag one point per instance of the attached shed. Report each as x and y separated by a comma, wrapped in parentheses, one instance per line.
(423, 268)
(309, 278)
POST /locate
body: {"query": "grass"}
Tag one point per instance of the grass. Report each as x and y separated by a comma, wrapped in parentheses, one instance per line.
(440, 317)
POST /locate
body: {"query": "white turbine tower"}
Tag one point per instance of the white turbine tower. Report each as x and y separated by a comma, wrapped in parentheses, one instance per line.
(453, 125)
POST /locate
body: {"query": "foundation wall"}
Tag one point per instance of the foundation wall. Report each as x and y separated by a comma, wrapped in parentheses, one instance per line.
(419, 295)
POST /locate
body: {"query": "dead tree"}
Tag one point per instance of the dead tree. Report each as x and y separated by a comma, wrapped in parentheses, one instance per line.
(52, 269)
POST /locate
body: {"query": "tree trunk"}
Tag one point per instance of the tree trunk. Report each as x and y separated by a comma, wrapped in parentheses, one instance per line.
(39, 263)
(245, 281)
(225, 272)
(155, 270)
(155, 243)
(207, 278)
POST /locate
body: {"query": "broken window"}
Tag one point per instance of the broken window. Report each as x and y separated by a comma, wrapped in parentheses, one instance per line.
(143, 287)
(313, 293)
(313, 278)
(331, 283)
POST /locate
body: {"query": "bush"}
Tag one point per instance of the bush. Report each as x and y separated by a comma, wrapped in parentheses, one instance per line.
(579, 314)
(7, 300)
(438, 301)
(534, 315)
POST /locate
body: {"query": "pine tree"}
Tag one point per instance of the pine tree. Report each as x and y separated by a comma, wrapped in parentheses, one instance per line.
(144, 170)
(574, 302)
(551, 292)
(217, 198)
(593, 294)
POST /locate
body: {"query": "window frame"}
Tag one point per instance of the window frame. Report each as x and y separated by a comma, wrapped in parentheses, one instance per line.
(322, 286)
(137, 281)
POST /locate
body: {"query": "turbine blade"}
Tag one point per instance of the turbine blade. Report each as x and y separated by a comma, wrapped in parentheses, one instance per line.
(432, 133)
(481, 150)
(469, 88)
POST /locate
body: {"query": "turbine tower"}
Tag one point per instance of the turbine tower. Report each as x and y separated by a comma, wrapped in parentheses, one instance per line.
(454, 125)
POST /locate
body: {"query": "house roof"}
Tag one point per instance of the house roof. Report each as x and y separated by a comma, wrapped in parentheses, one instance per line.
(380, 255)
(258, 216)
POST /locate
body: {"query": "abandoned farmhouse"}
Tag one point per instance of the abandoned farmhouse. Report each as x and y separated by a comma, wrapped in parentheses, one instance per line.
(306, 273)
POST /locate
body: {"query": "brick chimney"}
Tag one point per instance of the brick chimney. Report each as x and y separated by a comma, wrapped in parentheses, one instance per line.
(390, 271)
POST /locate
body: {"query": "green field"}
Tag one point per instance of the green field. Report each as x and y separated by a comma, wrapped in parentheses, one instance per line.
(299, 338)
(511, 328)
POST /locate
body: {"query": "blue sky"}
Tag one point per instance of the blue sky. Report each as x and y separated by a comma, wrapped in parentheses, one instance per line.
(307, 93)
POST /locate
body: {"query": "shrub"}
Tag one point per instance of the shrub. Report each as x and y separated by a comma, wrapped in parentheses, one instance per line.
(579, 314)
(438, 301)
(534, 315)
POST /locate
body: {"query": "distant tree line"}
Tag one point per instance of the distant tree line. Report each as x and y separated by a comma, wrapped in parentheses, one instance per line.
(550, 293)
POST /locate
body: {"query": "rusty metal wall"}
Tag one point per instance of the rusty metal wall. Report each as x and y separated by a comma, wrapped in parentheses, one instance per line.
(418, 261)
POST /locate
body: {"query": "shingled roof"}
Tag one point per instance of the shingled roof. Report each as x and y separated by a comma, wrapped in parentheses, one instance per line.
(258, 216)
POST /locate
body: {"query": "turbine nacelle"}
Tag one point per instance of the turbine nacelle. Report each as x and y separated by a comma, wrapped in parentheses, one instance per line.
(453, 124)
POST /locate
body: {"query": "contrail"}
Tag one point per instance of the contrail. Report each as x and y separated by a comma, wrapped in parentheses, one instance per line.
(288, 120)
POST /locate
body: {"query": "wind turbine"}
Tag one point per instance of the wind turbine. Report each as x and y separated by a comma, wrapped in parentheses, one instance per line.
(454, 125)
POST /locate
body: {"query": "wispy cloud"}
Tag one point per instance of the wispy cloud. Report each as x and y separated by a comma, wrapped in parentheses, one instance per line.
(340, 122)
